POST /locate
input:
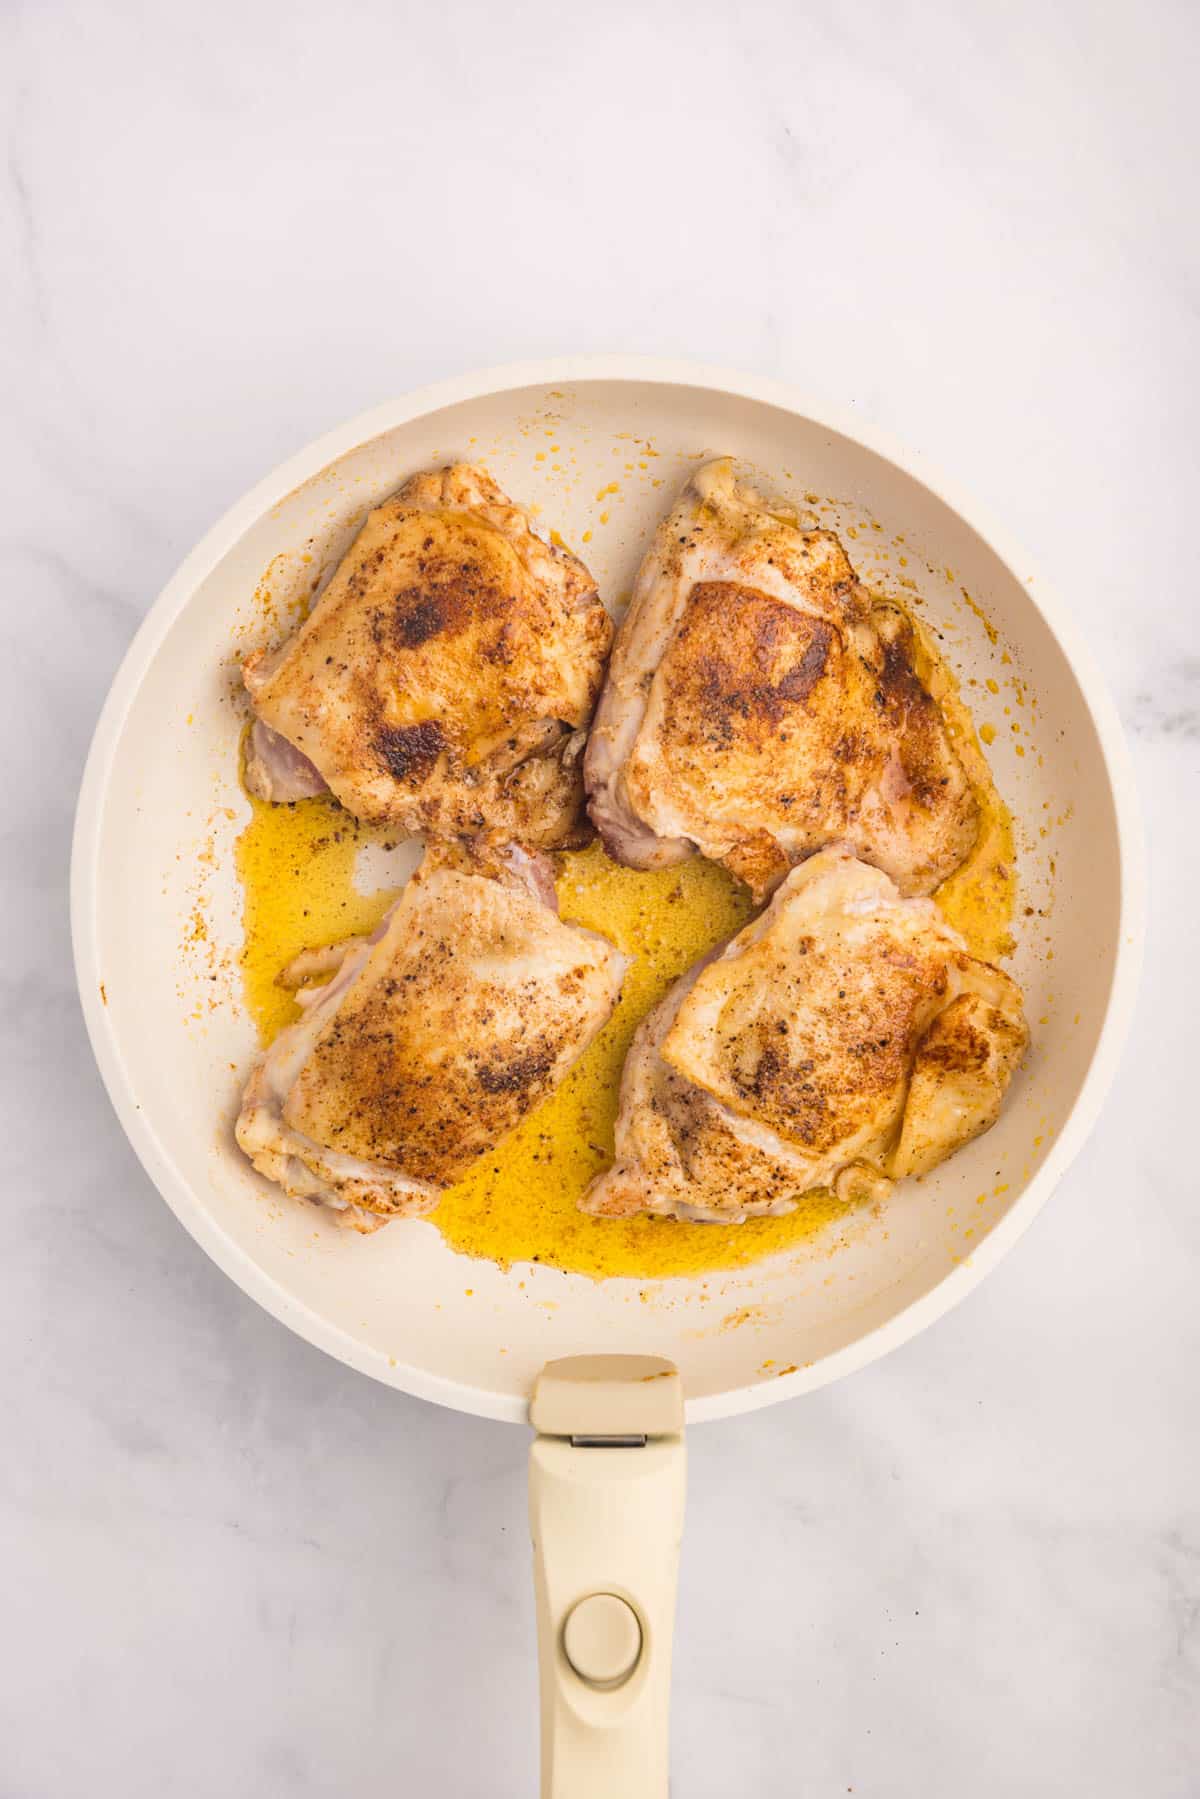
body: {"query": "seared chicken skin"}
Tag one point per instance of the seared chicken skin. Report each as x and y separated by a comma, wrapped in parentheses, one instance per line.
(844, 1038)
(446, 678)
(430, 1041)
(760, 703)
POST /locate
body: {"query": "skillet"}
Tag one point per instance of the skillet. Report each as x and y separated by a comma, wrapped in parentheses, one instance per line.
(157, 928)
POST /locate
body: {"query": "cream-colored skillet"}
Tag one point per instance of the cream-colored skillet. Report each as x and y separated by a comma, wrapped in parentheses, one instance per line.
(601, 445)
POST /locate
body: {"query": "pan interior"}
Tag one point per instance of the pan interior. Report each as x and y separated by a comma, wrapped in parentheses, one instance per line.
(159, 910)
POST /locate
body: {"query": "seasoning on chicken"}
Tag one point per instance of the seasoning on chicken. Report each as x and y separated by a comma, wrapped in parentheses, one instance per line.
(429, 1041)
(446, 677)
(844, 1038)
(760, 703)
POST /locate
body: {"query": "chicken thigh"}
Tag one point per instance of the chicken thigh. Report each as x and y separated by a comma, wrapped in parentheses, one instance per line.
(446, 677)
(428, 1042)
(844, 1038)
(760, 703)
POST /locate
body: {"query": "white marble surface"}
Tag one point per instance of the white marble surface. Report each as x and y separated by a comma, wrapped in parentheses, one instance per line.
(230, 1566)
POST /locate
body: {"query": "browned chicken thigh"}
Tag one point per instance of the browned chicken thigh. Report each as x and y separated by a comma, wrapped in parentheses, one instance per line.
(844, 1039)
(760, 703)
(446, 677)
(430, 1041)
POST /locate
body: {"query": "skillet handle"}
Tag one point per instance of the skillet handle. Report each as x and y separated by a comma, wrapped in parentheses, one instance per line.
(606, 1489)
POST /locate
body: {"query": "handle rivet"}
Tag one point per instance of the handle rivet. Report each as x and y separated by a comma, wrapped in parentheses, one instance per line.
(602, 1639)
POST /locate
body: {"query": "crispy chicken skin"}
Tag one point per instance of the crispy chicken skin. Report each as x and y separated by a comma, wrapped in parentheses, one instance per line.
(844, 1038)
(430, 1041)
(446, 678)
(760, 703)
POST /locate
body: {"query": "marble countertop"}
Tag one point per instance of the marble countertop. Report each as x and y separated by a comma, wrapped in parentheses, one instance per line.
(232, 1566)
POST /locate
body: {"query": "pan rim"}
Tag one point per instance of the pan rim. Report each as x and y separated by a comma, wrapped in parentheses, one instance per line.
(91, 810)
